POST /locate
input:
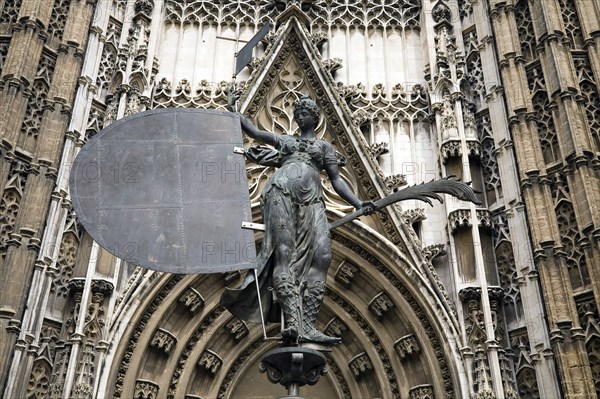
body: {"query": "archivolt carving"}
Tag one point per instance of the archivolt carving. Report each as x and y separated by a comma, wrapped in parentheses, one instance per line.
(141, 324)
(380, 304)
(335, 328)
(209, 360)
(407, 346)
(345, 273)
(334, 370)
(375, 341)
(197, 345)
(421, 392)
(238, 328)
(163, 340)
(145, 389)
(416, 308)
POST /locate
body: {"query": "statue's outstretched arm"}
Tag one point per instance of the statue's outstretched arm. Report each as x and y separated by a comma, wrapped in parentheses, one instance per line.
(340, 187)
(247, 125)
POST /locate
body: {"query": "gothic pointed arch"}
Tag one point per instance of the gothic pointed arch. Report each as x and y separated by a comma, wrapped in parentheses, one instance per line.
(179, 342)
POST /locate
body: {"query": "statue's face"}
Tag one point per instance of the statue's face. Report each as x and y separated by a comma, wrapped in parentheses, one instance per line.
(304, 119)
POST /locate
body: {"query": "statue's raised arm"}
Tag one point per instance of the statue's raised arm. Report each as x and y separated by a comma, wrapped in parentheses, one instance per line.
(247, 126)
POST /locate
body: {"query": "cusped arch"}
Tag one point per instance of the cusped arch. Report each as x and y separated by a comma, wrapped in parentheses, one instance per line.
(175, 337)
(444, 86)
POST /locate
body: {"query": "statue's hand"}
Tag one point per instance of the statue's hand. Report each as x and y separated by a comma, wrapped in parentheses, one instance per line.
(232, 97)
(368, 207)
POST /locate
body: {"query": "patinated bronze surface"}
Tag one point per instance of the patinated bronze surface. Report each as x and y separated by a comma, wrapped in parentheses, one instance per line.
(166, 190)
(296, 248)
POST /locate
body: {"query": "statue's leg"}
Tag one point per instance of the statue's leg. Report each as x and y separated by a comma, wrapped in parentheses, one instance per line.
(315, 288)
(284, 286)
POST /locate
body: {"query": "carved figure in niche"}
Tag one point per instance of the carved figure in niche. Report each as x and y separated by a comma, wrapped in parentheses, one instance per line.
(296, 249)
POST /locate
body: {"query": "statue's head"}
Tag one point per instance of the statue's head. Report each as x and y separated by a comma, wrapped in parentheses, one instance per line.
(308, 104)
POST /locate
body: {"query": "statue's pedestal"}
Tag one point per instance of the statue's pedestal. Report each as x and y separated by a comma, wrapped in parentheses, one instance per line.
(293, 367)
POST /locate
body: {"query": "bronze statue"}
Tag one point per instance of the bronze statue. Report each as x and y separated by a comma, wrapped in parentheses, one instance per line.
(296, 249)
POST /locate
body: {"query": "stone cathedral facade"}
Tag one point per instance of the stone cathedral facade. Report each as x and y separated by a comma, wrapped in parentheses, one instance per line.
(450, 301)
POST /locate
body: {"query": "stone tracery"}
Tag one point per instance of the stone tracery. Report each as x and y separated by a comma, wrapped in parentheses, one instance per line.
(382, 108)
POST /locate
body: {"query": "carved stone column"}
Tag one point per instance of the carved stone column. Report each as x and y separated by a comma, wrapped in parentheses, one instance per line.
(543, 27)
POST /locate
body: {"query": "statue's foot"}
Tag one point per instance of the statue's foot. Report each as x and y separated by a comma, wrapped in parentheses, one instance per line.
(318, 337)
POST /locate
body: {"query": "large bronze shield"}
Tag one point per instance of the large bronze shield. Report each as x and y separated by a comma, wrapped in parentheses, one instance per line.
(167, 190)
